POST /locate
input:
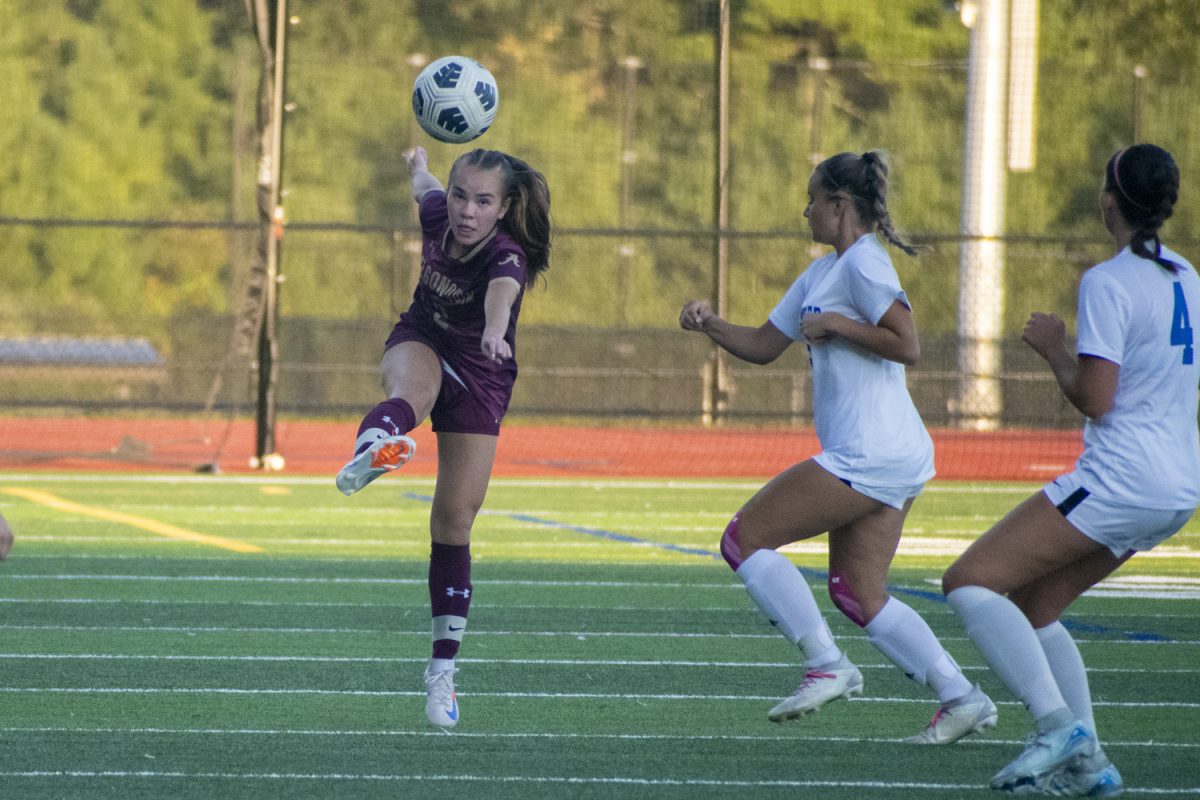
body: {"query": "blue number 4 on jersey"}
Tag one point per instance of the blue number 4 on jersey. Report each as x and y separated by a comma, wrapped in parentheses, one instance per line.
(1181, 325)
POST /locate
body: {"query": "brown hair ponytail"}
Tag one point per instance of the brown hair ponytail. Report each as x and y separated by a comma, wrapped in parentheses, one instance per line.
(865, 179)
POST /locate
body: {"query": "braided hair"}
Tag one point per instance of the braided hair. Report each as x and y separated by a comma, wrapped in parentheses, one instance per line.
(528, 217)
(1144, 179)
(865, 178)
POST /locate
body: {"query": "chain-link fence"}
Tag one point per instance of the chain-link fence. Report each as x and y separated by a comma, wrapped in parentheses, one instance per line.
(136, 223)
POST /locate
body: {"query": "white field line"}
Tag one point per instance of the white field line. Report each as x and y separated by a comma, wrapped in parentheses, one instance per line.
(499, 735)
(274, 579)
(878, 786)
(875, 786)
(609, 696)
(491, 779)
(536, 662)
(516, 483)
(913, 546)
(1126, 586)
(582, 635)
(476, 605)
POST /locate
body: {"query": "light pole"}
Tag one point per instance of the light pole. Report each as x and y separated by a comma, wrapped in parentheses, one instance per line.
(981, 258)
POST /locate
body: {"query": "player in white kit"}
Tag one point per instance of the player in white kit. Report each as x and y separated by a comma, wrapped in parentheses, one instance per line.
(1134, 374)
(876, 456)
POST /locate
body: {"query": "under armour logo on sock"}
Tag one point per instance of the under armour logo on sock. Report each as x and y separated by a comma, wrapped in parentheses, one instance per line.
(451, 592)
(395, 427)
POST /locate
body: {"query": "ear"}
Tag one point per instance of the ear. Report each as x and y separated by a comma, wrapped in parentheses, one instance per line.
(504, 208)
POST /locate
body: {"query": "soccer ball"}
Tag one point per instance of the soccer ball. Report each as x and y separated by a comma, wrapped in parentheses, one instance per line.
(455, 99)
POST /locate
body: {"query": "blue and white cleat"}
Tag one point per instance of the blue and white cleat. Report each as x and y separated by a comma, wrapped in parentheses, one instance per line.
(1046, 753)
(1093, 776)
(441, 701)
(384, 454)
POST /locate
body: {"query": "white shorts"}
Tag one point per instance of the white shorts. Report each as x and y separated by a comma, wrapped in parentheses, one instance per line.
(894, 496)
(1122, 529)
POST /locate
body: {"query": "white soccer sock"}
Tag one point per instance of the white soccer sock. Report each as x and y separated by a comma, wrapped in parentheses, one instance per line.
(781, 593)
(904, 637)
(1066, 664)
(1007, 641)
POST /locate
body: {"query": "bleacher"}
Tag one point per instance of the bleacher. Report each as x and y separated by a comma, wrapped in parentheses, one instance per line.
(86, 369)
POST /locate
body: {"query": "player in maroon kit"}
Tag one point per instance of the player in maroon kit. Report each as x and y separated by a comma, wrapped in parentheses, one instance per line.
(451, 358)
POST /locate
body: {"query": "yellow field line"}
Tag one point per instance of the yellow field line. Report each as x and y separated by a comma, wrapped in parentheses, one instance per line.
(160, 528)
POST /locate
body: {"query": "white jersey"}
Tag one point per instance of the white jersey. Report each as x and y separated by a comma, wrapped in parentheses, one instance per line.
(1145, 451)
(869, 429)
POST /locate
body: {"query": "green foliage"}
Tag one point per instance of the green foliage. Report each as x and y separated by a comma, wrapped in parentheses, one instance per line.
(113, 110)
(124, 109)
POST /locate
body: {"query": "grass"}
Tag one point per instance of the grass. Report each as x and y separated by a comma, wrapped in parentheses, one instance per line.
(610, 652)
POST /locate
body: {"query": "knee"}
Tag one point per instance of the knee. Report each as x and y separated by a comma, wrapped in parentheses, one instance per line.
(955, 577)
(842, 594)
(731, 545)
(453, 525)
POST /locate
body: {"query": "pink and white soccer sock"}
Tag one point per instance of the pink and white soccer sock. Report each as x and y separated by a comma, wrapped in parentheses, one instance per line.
(780, 592)
(906, 639)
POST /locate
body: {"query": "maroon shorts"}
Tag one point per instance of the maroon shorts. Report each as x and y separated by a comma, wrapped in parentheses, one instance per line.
(464, 404)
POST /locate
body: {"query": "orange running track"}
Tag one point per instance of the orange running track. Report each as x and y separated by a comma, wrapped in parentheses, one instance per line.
(320, 448)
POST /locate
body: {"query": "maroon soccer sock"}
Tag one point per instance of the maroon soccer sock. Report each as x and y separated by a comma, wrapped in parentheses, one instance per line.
(449, 596)
(395, 416)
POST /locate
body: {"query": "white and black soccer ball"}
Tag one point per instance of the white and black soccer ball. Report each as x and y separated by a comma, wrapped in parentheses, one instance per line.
(455, 99)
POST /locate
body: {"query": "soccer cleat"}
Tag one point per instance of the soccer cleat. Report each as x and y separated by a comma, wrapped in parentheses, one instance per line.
(972, 713)
(819, 687)
(1092, 776)
(384, 455)
(441, 701)
(1046, 753)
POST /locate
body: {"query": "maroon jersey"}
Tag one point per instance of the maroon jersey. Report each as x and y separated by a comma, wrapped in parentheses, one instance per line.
(447, 306)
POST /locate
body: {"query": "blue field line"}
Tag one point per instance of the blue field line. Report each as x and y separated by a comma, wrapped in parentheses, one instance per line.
(812, 574)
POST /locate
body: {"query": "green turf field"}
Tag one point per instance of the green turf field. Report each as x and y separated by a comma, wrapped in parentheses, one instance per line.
(144, 653)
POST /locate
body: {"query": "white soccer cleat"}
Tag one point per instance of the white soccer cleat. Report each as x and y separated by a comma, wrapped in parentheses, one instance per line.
(819, 687)
(1046, 753)
(1092, 776)
(441, 701)
(970, 714)
(384, 455)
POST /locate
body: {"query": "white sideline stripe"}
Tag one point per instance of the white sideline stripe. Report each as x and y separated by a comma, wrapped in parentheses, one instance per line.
(517, 779)
(474, 605)
(1156, 587)
(570, 780)
(580, 635)
(422, 582)
(536, 483)
(128, 690)
(1160, 588)
(1122, 584)
(686, 737)
(408, 606)
(909, 546)
(536, 662)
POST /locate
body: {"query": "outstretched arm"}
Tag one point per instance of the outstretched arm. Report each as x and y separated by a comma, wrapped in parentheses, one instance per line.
(760, 345)
(1089, 382)
(422, 179)
(497, 308)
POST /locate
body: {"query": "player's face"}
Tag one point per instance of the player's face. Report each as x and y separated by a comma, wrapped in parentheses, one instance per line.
(823, 211)
(1109, 211)
(476, 202)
